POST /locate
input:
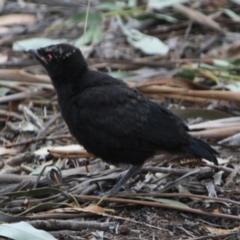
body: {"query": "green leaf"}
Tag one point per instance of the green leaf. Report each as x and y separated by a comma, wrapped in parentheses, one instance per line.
(147, 44)
(85, 39)
(236, 1)
(186, 73)
(164, 200)
(209, 75)
(108, 6)
(59, 164)
(235, 62)
(97, 35)
(203, 65)
(132, 3)
(94, 30)
(92, 35)
(93, 18)
(165, 17)
(159, 4)
(172, 202)
(23, 231)
(3, 91)
(235, 87)
(27, 44)
(234, 16)
(222, 63)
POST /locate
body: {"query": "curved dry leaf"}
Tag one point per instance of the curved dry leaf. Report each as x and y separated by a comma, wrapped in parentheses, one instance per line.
(217, 133)
(8, 151)
(12, 19)
(3, 58)
(198, 17)
(218, 178)
(4, 30)
(233, 51)
(94, 209)
(231, 141)
(210, 94)
(179, 82)
(219, 123)
(219, 231)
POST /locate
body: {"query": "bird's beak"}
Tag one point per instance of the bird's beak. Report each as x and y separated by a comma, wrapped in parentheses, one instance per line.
(36, 54)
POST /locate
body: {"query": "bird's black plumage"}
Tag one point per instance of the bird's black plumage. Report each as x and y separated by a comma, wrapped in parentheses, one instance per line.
(111, 120)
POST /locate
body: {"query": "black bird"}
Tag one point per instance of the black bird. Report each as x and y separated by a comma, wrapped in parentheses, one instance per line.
(112, 121)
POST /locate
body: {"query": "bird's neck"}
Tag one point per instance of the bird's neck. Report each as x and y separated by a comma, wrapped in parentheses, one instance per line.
(62, 78)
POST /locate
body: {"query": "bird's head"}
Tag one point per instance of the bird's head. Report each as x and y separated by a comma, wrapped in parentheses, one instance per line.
(61, 60)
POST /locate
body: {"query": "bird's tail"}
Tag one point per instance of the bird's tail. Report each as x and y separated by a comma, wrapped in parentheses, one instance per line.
(200, 149)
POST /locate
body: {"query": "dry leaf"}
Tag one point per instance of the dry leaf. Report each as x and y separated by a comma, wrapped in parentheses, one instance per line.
(94, 209)
(233, 50)
(12, 19)
(3, 30)
(198, 17)
(10, 151)
(219, 231)
(3, 58)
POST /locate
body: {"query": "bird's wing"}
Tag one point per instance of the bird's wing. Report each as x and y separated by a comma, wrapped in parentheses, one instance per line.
(124, 117)
(115, 110)
(165, 129)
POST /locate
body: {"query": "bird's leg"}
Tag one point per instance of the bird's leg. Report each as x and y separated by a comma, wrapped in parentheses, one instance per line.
(132, 170)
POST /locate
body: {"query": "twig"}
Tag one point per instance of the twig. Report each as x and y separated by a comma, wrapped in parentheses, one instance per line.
(38, 139)
(157, 204)
(70, 225)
